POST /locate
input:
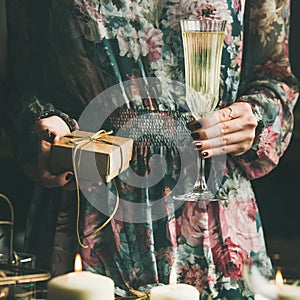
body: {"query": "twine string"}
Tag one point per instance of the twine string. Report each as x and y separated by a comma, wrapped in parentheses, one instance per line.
(79, 145)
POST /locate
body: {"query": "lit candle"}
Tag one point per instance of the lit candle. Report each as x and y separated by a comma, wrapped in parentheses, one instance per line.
(270, 290)
(286, 291)
(174, 291)
(80, 285)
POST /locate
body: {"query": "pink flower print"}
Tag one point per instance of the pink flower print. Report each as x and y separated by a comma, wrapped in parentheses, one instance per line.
(91, 220)
(243, 224)
(167, 254)
(153, 39)
(172, 232)
(194, 275)
(238, 58)
(202, 226)
(269, 138)
(211, 279)
(289, 92)
(116, 228)
(228, 34)
(229, 258)
(193, 224)
(88, 259)
(237, 5)
(126, 188)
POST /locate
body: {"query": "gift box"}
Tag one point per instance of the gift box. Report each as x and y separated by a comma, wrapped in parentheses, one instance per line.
(94, 155)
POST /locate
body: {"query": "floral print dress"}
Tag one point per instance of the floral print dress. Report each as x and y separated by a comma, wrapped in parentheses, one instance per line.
(72, 50)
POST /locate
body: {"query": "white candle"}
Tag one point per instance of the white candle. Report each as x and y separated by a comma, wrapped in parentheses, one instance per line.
(80, 285)
(289, 292)
(174, 292)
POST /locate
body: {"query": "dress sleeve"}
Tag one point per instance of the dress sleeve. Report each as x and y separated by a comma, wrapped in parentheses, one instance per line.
(267, 84)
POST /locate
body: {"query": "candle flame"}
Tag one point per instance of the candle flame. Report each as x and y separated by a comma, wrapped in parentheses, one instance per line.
(78, 263)
(173, 276)
(278, 278)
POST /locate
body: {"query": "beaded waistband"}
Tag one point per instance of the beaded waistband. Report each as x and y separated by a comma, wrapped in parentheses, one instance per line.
(148, 127)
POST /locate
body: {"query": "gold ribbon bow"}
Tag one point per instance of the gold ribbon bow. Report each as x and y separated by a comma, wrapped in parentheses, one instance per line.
(80, 142)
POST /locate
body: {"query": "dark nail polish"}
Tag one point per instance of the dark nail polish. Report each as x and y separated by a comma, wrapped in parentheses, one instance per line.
(204, 154)
(69, 177)
(195, 135)
(197, 145)
(51, 137)
(197, 125)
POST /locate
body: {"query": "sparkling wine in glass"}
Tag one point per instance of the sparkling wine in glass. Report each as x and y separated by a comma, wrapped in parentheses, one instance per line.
(202, 45)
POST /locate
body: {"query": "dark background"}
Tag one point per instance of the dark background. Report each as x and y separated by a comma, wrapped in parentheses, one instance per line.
(277, 193)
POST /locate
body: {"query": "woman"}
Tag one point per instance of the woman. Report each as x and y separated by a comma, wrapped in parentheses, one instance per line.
(73, 50)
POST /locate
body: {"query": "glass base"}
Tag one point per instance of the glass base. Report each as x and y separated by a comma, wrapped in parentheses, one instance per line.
(199, 195)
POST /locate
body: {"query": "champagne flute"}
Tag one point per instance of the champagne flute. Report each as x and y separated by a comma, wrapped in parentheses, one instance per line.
(202, 45)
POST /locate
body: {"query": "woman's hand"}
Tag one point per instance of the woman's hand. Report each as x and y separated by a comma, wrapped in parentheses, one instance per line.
(50, 130)
(228, 130)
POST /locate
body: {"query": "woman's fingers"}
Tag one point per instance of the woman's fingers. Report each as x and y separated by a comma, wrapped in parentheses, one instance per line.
(236, 143)
(218, 116)
(50, 180)
(233, 112)
(235, 149)
(47, 178)
(228, 130)
(51, 129)
(65, 179)
(242, 124)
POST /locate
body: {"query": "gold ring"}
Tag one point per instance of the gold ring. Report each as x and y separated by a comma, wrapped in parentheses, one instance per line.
(231, 115)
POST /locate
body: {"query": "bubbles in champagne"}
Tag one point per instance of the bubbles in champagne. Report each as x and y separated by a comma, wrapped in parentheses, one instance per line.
(202, 56)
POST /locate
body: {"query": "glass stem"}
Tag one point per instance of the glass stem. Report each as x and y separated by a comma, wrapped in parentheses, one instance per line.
(200, 184)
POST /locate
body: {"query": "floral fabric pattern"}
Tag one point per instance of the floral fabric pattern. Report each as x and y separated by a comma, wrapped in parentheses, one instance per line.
(73, 50)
